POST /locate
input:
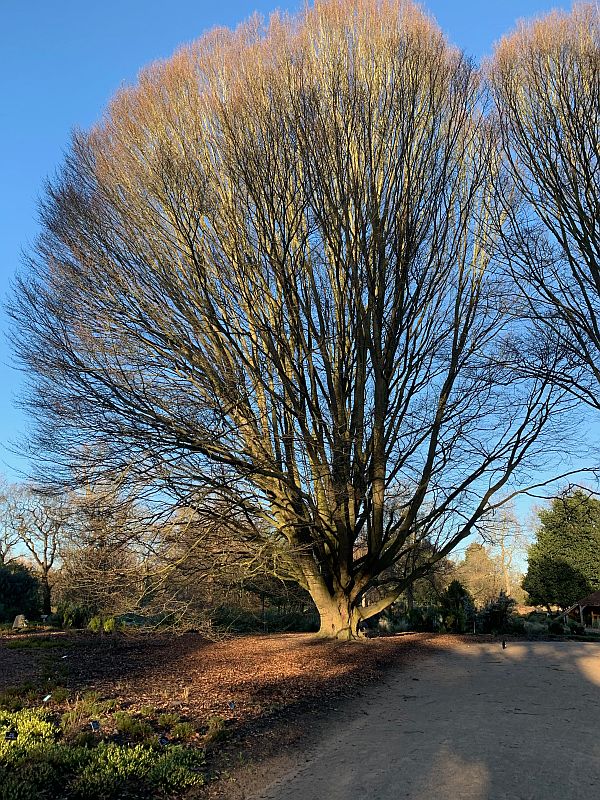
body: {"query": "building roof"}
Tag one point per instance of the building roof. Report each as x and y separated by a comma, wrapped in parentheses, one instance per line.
(591, 600)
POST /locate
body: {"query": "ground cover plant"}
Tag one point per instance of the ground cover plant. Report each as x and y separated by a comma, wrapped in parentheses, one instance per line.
(38, 762)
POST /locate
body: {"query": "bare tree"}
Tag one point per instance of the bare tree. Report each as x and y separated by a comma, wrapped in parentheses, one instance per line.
(508, 543)
(545, 79)
(37, 523)
(269, 274)
(8, 537)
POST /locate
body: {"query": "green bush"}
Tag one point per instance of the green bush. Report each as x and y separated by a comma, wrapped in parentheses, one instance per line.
(535, 630)
(13, 698)
(133, 727)
(19, 592)
(216, 729)
(496, 616)
(168, 720)
(515, 625)
(457, 608)
(576, 629)
(557, 627)
(183, 731)
(72, 615)
(426, 618)
(40, 765)
(37, 643)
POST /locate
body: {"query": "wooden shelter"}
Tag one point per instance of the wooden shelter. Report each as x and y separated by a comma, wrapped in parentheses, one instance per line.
(586, 611)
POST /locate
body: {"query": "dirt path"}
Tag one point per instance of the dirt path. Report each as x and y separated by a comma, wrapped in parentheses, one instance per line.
(470, 723)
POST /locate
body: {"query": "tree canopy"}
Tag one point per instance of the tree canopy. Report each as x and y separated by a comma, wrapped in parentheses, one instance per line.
(564, 561)
(271, 279)
(545, 80)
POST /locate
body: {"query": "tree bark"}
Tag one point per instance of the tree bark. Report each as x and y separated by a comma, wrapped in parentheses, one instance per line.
(46, 595)
(339, 618)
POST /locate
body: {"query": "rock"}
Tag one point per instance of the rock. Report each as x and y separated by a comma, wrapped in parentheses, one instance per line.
(19, 623)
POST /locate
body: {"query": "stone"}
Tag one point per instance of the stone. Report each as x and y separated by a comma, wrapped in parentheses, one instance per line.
(19, 623)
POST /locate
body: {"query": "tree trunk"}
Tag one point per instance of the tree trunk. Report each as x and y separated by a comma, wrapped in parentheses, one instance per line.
(339, 618)
(46, 596)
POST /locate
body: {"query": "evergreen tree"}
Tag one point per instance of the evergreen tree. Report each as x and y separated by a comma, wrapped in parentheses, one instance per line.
(19, 592)
(564, 562)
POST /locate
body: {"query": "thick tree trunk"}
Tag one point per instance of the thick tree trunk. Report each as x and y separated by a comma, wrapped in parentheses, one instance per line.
(339, 618)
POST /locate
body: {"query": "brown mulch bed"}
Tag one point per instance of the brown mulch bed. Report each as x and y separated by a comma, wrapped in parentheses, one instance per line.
(264, 686)
(256, 674)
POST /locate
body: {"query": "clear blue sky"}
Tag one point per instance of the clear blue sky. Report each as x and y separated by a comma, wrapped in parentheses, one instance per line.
(61, 61)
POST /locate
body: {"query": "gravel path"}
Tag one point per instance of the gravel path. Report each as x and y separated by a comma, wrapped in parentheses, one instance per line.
(474, 722)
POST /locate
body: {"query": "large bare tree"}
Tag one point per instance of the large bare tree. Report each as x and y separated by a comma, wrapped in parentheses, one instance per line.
(545, 79)
(270, 274)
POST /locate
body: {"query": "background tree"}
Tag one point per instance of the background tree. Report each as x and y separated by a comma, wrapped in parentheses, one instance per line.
(37, 524)
(564, 561)
(19, 592)
(270, 273)
(480, 573)
(457, 607)
(8, 537)
(545, 79)
(508, 544)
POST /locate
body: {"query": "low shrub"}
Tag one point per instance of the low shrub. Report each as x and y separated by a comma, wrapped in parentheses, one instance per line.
(132, 727)
(576, 629)
(557, 627)
(535, 630)
(14, 698)
(37, 643)
(167, 720)
(515, 625)
(72, 615)
(183, 731)
(496, 615)
(39, 764)
(217, 729)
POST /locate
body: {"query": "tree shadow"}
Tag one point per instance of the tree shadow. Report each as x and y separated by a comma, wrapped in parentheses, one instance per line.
(481, 723)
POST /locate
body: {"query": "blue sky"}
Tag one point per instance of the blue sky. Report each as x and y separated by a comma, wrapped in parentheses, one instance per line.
(61, 61)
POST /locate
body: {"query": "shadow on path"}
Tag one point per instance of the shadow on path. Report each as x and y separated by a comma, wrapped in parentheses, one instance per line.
(475, 722)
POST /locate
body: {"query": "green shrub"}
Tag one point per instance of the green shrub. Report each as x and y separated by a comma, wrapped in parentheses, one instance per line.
(535, 630)
(515, 625)
(19, 592)
(13, 698)
(576, 629)
(183, 731)
(495, 617)
(132, 727)
(95, 624)
(111, 625)
(37, 643)
(40, 765)
(457, 608)
(556, 627)
(241, 620)
(167, 720)
(72, 615)
(216, 729)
